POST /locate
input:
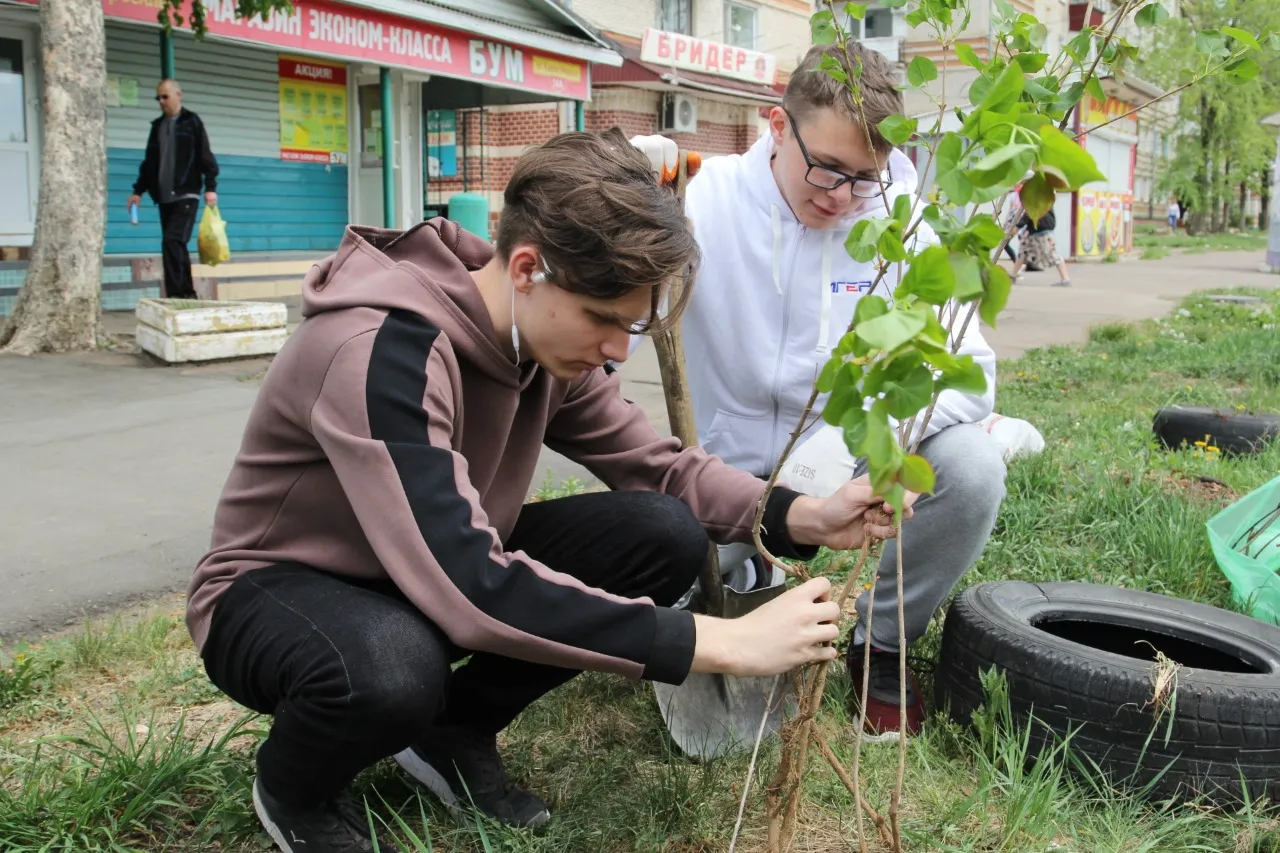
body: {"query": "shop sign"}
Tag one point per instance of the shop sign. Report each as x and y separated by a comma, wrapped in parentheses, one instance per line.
(659, 47)
(1100, 112)
(313, 111)
(331, 29)
(1104, 223)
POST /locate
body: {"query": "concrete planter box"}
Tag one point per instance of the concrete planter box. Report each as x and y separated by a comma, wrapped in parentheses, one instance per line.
(181, 330)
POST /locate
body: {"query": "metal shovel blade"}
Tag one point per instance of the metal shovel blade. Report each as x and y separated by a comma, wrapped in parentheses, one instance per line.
(714, 715)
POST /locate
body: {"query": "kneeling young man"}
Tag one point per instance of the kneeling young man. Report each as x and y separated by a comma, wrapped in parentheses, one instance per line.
(775, 293)
(373, 530)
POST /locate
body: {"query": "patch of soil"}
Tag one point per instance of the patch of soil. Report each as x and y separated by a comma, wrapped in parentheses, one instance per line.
(1207, 489)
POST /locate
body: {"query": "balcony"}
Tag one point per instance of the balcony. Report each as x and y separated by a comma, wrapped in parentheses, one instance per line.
(890, 47)
(1076, 21)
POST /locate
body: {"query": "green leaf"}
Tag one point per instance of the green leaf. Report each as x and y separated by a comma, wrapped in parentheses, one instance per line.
(969, 56)
(1242, 70)
(844, 394)
(1005, 92)
(929, 278)
(880, 444)
(999, 285)
(1000, 177)
(902, 209)
(891, 330)
(1094, 87)
(1078, 48)
(1031, 62)
(1150, 15)
(833, 69)
(1037, 197)
(1002, 155)
(869, 307)
(1212, 43)
(890, 245)
(907, 396)
(985, 230)
(916, 475)
(979, 88)
(921, 70)
(968, 277)
(897, 128)
(1242, 36)
(861, 242)
(1062, 152)
(854, 427)
(949, 177)
(827, 378)
(961, 374)
(822, 27)
(856, 10)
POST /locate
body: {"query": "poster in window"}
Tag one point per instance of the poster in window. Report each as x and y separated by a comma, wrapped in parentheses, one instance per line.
(442, 143)
(313, 111)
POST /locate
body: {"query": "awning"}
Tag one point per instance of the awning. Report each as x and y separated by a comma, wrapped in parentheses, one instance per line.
(647, 75)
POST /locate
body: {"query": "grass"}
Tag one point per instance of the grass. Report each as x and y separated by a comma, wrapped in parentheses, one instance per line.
(112, 739)
(1157, 241)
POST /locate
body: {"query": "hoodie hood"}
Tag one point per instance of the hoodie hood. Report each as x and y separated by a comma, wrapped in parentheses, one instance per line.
(426, 270)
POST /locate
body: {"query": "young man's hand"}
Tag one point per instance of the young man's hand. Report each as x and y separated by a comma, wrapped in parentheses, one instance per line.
(840, 521)
(789, 631)
(133, 199)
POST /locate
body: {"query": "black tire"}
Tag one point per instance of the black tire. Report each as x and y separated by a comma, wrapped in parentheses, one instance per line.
(1233, 432)
(1051, 642)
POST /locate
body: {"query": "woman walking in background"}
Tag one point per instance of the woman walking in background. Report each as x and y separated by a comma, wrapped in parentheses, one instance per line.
(1037, 249)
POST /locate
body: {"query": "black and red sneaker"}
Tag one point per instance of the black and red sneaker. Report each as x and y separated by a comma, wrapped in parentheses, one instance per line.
(884, 694)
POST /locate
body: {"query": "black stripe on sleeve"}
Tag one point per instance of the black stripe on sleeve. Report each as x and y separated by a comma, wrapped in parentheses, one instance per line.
(396, 387)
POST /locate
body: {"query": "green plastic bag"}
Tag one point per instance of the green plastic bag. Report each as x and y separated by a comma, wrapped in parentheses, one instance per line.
(1245, 538)
(212, 239)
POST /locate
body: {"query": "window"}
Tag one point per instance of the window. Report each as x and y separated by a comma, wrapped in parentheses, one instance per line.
(676, 16)
(877, 23)
(740, 25)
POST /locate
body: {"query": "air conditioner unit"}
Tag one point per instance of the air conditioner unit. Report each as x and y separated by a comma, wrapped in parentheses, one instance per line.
(679, 114)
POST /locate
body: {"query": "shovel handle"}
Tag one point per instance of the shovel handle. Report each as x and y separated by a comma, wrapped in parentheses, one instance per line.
(675, 389)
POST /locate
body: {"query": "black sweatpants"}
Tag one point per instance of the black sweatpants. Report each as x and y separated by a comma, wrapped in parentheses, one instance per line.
(176, 221)
(353, 672)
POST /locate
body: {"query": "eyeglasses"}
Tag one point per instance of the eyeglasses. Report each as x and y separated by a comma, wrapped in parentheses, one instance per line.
(827, 178)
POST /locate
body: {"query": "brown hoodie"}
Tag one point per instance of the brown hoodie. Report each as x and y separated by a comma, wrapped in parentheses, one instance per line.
(393, 438)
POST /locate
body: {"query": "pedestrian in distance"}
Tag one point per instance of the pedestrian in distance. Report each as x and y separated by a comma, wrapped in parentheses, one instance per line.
(177, 166)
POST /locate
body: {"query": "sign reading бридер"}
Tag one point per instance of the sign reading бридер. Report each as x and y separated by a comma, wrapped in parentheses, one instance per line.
(660, 47)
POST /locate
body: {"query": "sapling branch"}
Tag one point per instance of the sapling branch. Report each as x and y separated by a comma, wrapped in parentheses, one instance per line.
(1116, 19)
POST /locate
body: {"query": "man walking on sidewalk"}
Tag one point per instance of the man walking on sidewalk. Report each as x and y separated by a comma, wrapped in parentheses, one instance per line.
(177, 163)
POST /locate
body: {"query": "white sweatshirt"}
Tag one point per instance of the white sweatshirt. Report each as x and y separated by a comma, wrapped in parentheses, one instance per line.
(771, 301)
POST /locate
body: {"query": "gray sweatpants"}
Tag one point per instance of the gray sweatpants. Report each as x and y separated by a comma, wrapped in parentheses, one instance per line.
(942, 540)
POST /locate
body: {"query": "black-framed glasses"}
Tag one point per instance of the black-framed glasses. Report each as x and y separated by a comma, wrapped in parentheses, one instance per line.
(824, 177)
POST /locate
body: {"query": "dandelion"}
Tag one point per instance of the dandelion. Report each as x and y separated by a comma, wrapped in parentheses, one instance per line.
(1103, 356)
(1239, 407)
(1202, 444)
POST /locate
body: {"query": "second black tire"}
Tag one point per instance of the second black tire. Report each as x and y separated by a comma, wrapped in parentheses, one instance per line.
(1076, 657)
(1232, 432)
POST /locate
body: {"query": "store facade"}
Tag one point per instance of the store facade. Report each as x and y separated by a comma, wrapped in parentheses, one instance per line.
(330, 114)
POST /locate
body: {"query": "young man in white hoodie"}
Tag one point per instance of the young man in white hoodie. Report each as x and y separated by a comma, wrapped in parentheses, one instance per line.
(774, 295)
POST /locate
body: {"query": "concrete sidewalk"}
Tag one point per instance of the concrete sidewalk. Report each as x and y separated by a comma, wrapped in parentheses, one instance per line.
(112, 464)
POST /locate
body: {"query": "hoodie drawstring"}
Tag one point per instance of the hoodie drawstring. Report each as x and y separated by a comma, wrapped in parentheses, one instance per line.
(824, 321)
(777, 248)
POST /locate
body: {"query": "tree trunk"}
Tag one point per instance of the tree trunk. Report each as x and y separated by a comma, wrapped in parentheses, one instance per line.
(1244, 206)
(57, 308)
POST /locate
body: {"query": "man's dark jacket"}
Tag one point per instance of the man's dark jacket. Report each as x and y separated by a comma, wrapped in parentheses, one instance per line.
(192, 159)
